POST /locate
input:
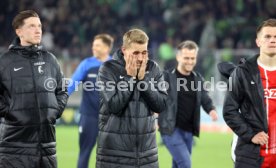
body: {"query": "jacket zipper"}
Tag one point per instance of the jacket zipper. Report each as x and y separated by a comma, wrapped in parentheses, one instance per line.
(36, 101)
(259, 92)
(137, 143)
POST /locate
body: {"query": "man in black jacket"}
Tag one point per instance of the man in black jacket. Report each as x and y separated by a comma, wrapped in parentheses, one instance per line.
(250, 107)
(130, 95)
(181, 119)
(32, 97)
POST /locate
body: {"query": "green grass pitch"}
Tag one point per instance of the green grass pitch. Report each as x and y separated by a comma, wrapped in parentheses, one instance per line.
(211, 150)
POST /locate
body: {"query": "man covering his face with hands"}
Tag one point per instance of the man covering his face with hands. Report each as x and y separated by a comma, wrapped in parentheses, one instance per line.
(128, 99)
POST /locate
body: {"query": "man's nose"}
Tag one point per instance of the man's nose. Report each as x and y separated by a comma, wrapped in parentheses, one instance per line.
(190, 61)
(38, 30)
(140, 57)
(273, 40)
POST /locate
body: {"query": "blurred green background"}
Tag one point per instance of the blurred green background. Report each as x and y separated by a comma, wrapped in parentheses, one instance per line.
(211, 150)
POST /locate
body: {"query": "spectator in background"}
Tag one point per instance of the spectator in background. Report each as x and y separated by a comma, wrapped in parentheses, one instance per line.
(180, 120)
(87, 71)
(127, 122)
(166, 54)
(80, 19)
(32, 98)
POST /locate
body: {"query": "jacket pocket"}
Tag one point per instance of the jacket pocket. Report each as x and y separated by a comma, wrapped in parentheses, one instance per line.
(167, 118)
(248, 150)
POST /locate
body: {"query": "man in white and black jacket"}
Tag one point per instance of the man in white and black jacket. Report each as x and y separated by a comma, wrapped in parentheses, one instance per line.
(180, 120)
(32, 97)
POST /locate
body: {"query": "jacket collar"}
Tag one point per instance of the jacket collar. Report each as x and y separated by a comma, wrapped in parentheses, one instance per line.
(119, 56)
(25, 50)
(173, 72)
(250, 63)
(226, 68)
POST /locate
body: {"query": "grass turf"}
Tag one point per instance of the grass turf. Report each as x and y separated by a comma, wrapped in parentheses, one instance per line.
(211, 150)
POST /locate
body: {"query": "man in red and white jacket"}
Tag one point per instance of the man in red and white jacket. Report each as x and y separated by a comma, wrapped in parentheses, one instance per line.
(250, 107)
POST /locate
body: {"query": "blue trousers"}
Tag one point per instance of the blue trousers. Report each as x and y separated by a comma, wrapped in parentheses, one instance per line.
(179, 145)
(88, 132)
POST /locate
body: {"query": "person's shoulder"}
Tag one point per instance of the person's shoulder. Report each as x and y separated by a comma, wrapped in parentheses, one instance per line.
(86, 61)
(111, 67)
(198, 76)
(196, 73)
(90, 59)
(169, 72)
(153, 65)
(48, 55)
(248, 63)
(110, 64)
(6, 57)
(240, 72)
(152, 62)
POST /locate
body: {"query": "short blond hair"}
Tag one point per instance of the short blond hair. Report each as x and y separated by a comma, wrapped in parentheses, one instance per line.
(135, 36)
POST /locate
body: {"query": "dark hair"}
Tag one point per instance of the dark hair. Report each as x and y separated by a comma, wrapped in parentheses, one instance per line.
(18, 20)
(187, 44)
(106, 38)
(266, 23)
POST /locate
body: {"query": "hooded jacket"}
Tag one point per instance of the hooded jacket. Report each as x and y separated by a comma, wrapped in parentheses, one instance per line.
(31, 99)
(244, 112)
(126, 122)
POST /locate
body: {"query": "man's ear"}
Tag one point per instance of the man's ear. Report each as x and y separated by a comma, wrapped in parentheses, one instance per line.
(177, 57)
(258, 43)
(18, 32)
(123, 50)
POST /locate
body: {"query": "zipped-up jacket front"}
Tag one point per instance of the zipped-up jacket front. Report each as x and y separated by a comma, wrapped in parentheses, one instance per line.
(127, 124)
(31, 99)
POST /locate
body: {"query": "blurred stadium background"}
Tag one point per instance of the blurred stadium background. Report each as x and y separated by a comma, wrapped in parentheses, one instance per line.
(224, 30)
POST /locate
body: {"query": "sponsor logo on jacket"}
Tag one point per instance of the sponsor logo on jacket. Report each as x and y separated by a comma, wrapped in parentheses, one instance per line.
(39, 63)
